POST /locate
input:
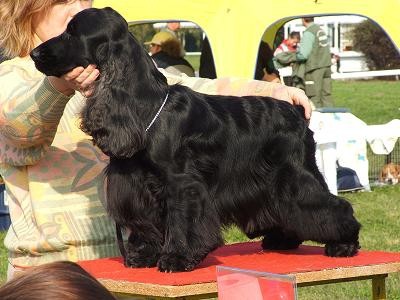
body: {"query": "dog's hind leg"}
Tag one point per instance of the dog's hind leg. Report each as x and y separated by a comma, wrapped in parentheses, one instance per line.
(192, 225)
(312, 213)
(331, 222)
(345, 229)
(343, 226)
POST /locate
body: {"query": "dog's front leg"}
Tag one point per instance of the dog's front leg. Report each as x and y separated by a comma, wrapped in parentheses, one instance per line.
(134, 201)
(192, 225)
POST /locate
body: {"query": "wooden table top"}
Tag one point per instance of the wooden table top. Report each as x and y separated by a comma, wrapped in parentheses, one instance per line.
(307, 263)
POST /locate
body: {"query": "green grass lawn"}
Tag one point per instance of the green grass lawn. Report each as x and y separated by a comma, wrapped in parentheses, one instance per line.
(194, 60)
(373, 101)
(378, 211)
(3, 258)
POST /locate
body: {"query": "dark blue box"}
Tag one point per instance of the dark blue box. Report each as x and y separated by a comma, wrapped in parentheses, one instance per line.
(4, 212)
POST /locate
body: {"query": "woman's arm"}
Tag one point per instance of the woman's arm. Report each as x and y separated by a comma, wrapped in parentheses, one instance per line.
(306, 46)
(31, 106)
(30, 110)
(244, 87)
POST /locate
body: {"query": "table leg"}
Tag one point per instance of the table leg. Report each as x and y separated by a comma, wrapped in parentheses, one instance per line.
(379, 287)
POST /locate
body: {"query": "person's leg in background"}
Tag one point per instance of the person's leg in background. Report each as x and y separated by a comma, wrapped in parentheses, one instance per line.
(326, 97)
(314, 87)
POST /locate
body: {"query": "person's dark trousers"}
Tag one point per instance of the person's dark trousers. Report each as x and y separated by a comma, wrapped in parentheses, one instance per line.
(319, 86)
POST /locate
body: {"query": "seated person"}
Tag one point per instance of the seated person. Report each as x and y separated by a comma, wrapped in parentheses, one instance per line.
(265, 68)
(166, 51)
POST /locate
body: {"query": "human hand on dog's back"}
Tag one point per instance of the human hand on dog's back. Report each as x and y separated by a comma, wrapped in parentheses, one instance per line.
(244, 87)
(294, 96)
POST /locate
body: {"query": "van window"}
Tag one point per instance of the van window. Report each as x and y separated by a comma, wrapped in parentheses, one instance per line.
(357, 44)
(194, 41)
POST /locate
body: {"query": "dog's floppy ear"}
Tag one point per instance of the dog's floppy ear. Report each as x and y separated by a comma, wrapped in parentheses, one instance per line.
(110, 115)
(397, 169)
(101, 54)
(128, 82)
(113, 124)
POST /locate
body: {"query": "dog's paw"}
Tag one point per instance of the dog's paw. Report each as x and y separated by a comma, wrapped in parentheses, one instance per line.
(141, 257)
(341, 250)
(135, 261)
(175, 263)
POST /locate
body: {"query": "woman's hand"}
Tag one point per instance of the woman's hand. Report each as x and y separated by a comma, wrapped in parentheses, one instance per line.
(294, 96)
(79, 79)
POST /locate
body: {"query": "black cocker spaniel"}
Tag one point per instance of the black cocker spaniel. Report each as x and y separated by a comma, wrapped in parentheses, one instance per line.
(183, 165)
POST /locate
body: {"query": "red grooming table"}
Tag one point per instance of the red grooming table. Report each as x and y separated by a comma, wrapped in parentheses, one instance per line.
(308, 264)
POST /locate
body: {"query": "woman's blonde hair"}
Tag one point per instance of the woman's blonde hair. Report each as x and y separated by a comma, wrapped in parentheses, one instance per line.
(16, 29)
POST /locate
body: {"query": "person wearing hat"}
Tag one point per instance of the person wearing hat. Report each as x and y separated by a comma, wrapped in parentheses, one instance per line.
(166, 51)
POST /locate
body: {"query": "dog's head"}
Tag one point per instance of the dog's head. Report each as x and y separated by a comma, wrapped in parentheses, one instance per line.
(390, 173)
(81, 44)
(129, 80)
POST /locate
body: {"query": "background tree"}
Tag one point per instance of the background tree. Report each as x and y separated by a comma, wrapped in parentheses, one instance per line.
(380, 52)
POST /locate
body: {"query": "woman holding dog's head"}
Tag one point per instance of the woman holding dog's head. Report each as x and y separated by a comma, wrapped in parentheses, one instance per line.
(51, 169)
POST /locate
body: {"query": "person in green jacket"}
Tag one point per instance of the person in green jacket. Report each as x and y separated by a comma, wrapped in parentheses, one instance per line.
(314, 53)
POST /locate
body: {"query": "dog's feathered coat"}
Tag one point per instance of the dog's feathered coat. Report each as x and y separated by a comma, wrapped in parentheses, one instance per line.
(206, 162)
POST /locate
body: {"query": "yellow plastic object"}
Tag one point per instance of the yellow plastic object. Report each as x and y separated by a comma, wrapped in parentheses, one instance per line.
(235, 27)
